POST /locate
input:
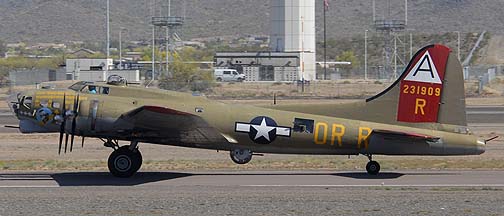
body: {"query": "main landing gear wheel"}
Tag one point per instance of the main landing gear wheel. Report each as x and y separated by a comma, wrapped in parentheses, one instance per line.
(373, 167)
(124, 162)
(241, 156)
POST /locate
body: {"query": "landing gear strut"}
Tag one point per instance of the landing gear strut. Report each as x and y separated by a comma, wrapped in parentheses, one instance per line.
(372, 167)
(124, 161)
(241, 156)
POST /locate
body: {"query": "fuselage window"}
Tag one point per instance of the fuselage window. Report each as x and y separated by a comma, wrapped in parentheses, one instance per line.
(303, 125)
(105, 90)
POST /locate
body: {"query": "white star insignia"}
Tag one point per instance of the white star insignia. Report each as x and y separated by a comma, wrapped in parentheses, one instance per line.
(263, 130)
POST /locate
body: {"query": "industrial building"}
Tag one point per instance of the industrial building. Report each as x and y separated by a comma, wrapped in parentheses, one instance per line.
(262, 66)
(97, 70)
(292, 45)
(33, 76)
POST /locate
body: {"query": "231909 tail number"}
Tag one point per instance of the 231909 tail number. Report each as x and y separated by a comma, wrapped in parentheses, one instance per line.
(421, 90)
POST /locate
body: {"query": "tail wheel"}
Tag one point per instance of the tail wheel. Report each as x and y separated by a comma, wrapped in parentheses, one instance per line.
(241, 156)
(124, 162)
(373, 168)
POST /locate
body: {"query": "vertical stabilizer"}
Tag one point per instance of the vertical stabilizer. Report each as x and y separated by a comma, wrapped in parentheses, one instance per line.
(430, 90)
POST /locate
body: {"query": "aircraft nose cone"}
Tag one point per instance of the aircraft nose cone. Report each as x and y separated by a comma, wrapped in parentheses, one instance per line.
(480, 147)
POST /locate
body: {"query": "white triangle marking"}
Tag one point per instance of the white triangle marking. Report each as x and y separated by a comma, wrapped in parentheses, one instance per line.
(424, 71)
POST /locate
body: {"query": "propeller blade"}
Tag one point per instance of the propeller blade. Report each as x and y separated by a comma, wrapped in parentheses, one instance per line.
(62, 127)
(74, 123)
(66, 141)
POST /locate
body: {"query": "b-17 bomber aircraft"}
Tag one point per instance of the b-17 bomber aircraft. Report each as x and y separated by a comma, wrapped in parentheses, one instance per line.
(421, 113)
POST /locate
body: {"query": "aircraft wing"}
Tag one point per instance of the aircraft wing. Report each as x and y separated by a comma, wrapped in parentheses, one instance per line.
(155, 123)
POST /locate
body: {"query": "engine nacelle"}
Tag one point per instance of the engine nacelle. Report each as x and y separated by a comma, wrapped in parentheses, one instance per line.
(29, 126)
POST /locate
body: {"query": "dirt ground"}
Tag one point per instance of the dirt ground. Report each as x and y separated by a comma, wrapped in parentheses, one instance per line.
(39, 152)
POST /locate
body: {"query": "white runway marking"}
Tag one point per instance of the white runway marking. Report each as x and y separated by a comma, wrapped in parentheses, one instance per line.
(484, 112)
(29, 186)
(384, 185)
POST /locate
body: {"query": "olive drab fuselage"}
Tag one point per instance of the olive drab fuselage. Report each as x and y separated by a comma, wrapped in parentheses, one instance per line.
(262, 130)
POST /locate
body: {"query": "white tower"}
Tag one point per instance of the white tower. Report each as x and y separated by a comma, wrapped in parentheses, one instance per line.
(293, 30)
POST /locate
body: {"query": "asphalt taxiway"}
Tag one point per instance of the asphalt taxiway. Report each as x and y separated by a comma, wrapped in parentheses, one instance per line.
(259, 179)
(254, 193)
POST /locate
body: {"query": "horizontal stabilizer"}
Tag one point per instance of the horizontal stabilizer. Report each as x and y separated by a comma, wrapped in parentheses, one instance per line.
(407, 135)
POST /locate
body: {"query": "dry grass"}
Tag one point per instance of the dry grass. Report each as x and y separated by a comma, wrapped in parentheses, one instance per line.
(297, 163)
(39, 152)
(317, 89)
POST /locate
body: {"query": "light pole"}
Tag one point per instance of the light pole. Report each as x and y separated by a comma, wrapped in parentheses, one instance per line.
(410, 45)
(458, 45)
(406, 12)
(153, 51)
(108, 31)
(302, 54)
(168, 41)
(325, 42)
(365, 54)
(120, 48)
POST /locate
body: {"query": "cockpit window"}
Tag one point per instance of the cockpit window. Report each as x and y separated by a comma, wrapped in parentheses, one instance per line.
(78, 86)
(92, 89)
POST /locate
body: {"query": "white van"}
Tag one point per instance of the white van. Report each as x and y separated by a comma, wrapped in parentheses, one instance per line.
(228, 75)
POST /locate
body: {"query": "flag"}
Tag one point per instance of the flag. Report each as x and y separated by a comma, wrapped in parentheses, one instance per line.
(326, 5)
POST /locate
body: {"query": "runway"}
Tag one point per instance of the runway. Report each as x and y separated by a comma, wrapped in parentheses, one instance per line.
(485, 114)
(253, 193)
(259, 179)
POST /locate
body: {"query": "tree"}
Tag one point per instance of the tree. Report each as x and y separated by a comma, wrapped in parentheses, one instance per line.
(48, 63)
(186, 76)
(16, 63)
(96, 55)
(349, 56)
